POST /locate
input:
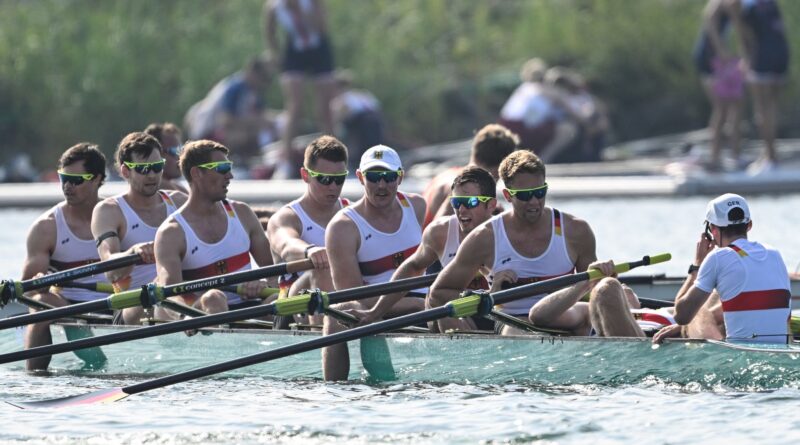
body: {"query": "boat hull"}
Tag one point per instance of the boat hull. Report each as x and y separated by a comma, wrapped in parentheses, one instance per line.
(457, 358)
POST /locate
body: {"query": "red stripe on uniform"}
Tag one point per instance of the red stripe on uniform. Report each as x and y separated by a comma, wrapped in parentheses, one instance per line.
(231, 264)
(653, 318)
(758, 300)
(389, 262)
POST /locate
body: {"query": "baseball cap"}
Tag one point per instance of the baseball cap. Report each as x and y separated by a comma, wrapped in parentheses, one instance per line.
(380, 156)
(718, 211)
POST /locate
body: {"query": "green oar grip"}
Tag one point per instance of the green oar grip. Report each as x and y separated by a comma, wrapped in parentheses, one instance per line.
(105, 288)
(126, 299)
(302, 304)
(624, 267)
(466, 306)
(266, 292)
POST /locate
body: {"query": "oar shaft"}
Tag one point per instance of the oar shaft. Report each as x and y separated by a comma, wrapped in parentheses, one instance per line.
(360, 293)
(54, 314)
(79, 272)
(284, 351)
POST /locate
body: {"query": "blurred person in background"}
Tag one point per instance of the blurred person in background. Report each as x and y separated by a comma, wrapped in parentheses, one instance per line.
(357, 117)
(171, 140)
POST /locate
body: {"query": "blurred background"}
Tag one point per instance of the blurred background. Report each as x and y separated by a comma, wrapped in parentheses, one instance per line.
(94, 70)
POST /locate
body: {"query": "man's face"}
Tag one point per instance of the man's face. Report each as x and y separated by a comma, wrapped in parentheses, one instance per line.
(143, 173)
(171, 150)
(212, 179)
(527, 194)
(76, 186)
(467, 195)
(380, 185)
(325, 180)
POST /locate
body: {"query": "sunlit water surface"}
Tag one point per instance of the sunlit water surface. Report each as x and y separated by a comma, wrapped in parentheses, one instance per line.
(253, 410)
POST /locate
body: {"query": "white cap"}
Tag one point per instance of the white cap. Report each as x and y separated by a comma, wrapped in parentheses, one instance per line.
(719, 208)
(380, 156)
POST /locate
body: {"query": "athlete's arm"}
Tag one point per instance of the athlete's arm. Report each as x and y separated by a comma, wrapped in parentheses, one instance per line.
(39, 246)
(475, 251)
(283, 231)
(107, 217)
(170, 247)
(433, 240)
(342, 242)
(259, 244)
(419, 207)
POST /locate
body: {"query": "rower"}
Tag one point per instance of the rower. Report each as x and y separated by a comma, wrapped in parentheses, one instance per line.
(297, 230)
(61, 239)
(489, 147)
(171, 140)
(527, 243)
(473, 198)
(369, 240)
(209, 235)
(750, 278)
(127, 223)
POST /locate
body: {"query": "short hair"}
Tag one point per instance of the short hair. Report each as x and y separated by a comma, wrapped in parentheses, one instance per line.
(139, 143)
(533, 70)
(160, 130)
(196, 153)
(94, 161)
(483, 178)
(324, 147)
(520, 161)
(492, 144)
(735, 214)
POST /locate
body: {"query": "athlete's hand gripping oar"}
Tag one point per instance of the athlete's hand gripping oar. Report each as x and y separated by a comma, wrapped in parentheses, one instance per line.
(151, 294)
(463, 307)
(298, 304)
(10, 290)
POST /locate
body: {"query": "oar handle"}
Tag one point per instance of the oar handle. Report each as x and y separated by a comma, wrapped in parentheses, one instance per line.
(239, 289)
(101, 287)
(54, 314)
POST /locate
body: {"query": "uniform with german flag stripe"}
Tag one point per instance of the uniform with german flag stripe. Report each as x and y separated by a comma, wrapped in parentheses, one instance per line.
(71, 252)
(230, 254)
(754, 288)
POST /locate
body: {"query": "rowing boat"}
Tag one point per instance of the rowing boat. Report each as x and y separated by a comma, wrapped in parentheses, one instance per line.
(455, 358)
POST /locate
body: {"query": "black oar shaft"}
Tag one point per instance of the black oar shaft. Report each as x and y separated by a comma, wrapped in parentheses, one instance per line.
(54, 314)
(204, 321)
(234, 278)
(284, 351)
(79, 272)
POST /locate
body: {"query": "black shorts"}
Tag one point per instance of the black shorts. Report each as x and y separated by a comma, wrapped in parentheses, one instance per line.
(313, 61)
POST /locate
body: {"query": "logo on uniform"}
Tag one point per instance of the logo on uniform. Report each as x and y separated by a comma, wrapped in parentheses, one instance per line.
(222, 266)
(65, 241)
(135, 226)
(398, 258)
(194, 249)
(505, 260)
(378, 154)
(369, 235)
(308, 229)
(451, 255)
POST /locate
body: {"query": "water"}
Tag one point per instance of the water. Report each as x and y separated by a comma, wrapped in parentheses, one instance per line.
(255, 410)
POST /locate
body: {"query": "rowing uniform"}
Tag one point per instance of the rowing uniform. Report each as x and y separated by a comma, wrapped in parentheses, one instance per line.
(451, 248)
(754, 289)
(230, 254)
(380, 253)
(653, 319)
(71, 252)
(553, 262)
(137, 231)
(312, 233)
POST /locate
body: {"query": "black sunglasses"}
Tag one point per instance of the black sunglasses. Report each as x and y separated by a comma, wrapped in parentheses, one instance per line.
(526, 194)
(387, 175)
(144, 168)
(328, 178)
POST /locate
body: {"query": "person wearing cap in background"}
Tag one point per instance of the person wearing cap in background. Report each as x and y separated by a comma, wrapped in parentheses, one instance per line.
(367, 242)
(750, 278)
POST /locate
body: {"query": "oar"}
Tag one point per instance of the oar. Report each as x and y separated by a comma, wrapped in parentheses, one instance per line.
(152, 294)
(298, 304)
(10, 290)
(462, 307)
(109, 288)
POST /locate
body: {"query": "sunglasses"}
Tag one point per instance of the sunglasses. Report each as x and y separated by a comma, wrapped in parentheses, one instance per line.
(387, 175)
(74, 178)
(328, 178)
(144, 168)
(526, 194)
(174, 151)
(221, 167)
(469, 202)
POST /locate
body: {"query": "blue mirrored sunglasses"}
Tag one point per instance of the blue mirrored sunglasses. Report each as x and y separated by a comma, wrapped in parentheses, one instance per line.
(526, 194)
(387, 175)
(469, 202)
(174, 150)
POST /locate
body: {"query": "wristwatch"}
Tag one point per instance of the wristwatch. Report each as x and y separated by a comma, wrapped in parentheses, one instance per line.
(693, 268)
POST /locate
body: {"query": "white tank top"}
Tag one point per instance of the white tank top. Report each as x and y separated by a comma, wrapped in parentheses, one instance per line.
(649, 319)
(380, 253)
(230, 254)
(311, 233)
(451, 248)
(754, 289)
(71, 252)
(553, 262)
(137, 231)
(528, 105)
(299, 25)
